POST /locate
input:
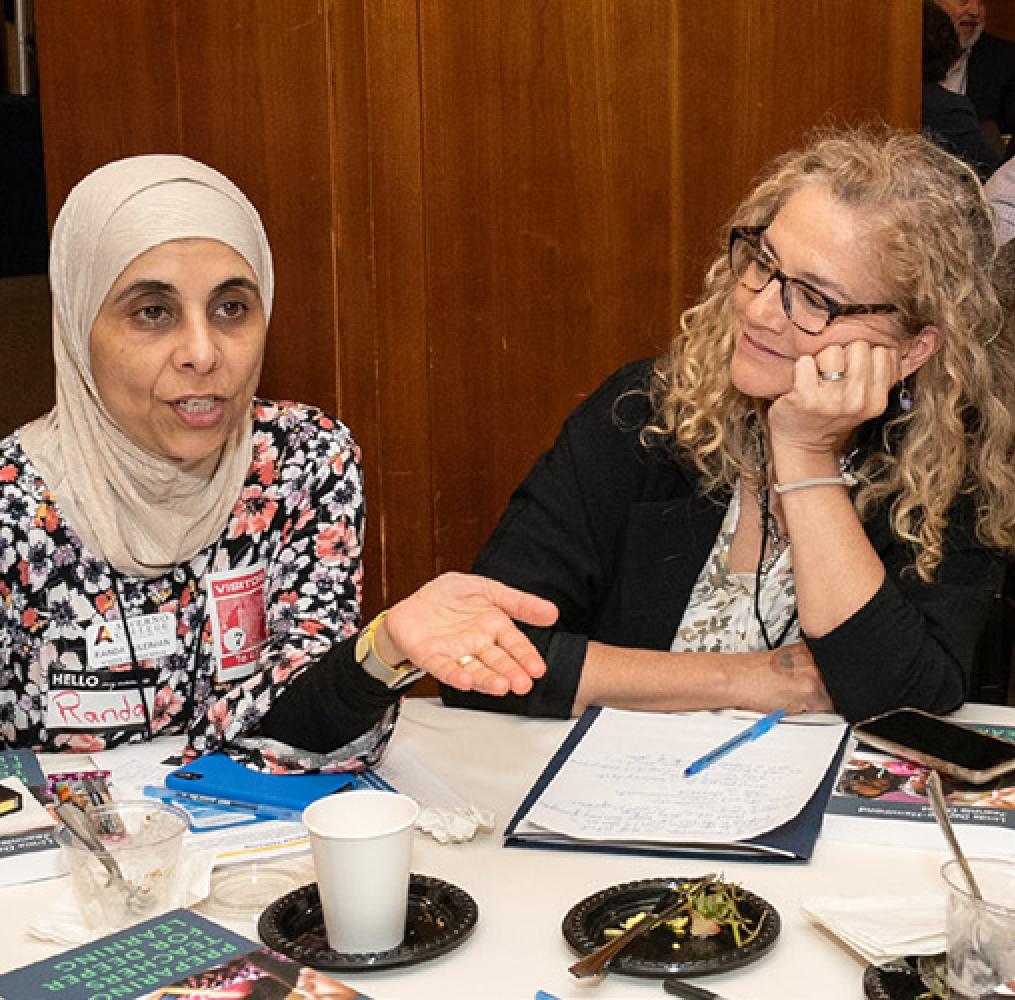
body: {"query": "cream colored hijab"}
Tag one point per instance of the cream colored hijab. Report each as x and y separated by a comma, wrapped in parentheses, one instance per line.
(143, 514)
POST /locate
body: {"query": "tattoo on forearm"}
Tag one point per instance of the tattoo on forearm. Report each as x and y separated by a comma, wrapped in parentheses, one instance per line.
(786, 660)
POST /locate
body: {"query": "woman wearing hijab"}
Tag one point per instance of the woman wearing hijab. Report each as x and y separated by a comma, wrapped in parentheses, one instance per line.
(225, 530)
(808, 501)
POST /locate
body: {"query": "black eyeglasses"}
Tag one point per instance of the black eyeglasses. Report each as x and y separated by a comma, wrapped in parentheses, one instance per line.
(805, 306)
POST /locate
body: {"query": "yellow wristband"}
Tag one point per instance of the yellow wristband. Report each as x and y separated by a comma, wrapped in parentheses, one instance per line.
(394, 675)
(371, 633)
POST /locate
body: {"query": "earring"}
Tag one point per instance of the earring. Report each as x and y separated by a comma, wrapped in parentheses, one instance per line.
(905, 397)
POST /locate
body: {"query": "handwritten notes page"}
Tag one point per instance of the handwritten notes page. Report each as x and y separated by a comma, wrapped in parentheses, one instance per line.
(624, 780)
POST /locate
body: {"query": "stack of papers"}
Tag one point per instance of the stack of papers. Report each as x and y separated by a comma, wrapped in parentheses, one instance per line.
(617, 784)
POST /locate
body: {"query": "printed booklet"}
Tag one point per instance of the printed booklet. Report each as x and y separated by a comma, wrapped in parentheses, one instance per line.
(178, 955)
(28, 851)
(881, 799)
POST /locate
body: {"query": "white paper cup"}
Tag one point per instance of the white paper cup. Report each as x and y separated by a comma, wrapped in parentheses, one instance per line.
(362, 843)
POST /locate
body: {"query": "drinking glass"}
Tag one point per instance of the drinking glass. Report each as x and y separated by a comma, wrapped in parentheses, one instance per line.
(981, 932)
(128, 873)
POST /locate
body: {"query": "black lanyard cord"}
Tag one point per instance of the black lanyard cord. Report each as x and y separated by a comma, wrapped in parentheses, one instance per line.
(193, 654)
(187, 712)
(135, 668)
(189, 706)
(766, 514)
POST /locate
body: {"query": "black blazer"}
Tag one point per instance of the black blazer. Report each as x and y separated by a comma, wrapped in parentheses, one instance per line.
(950, 120)
(990, 81)
(616, 534)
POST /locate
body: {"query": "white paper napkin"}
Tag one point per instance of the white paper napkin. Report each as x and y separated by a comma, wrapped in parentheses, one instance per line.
(454, 826)
(881, 928)
(65, 924)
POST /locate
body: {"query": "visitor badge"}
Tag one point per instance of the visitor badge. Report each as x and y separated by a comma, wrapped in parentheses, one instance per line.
(151, 635)
(236, 607)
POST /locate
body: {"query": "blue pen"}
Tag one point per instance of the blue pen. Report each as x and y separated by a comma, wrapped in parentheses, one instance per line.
(258, 811)
(752, 732)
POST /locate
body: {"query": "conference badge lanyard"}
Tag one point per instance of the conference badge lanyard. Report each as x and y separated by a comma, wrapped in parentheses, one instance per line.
(109, 695)
(236, 607)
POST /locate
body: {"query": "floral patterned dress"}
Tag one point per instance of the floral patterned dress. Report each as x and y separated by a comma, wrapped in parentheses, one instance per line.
(201, 662)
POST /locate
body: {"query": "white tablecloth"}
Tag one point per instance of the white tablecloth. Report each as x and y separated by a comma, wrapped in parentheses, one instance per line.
(517, 947)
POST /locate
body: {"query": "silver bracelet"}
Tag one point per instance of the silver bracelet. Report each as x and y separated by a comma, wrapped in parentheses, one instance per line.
(843, 479)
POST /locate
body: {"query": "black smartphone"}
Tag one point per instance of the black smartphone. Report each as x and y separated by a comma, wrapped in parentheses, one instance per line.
(949, 747)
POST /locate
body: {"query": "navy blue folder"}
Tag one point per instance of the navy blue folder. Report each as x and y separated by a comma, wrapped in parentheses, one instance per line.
(793, 841)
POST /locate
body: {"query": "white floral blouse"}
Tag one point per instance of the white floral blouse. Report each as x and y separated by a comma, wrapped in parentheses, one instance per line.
(719, 617)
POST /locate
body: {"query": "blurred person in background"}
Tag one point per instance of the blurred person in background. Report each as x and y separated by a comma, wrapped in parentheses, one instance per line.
(984, 72)
(949, 119)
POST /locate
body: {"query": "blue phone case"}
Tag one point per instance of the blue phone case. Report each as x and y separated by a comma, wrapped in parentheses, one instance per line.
(218, 778)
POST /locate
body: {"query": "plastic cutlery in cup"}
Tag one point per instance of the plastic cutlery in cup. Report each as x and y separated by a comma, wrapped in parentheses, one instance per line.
(75, 819)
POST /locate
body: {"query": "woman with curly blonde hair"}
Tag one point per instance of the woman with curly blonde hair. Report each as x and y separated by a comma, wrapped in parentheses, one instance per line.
(807, 503)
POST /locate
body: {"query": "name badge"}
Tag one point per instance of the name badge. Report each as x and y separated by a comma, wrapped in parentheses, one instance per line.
(99, 700)
(236, 606)
(152, 635)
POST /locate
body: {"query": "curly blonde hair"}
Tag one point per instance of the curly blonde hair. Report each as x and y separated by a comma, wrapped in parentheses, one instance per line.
(933, 232)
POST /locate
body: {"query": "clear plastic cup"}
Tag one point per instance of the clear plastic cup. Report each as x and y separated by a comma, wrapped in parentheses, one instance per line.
(129, 872)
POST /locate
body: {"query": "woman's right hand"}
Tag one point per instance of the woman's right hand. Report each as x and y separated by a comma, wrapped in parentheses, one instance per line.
(817, 416)
(786, 677)
(461, 617)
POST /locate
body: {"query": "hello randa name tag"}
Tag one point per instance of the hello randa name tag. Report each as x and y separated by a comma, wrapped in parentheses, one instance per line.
(100, 700)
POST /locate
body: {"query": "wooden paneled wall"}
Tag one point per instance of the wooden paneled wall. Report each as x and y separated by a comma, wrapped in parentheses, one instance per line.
(1001, 18)
(478, 207)
(121, 77)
